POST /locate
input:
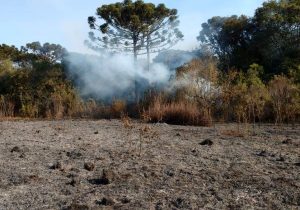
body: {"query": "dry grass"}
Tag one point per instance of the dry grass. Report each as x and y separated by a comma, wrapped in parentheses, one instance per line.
(118, 108)
(233, 133)
(6, 107)
(180, 113)
(93, 110)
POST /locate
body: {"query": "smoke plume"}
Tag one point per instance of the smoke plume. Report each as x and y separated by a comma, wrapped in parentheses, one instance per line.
(109, 76)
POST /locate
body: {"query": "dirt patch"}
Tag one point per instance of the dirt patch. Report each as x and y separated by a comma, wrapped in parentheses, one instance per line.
(101, 164)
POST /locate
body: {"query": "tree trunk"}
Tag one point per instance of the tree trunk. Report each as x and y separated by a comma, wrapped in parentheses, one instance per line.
(136, 93)
(148, 53)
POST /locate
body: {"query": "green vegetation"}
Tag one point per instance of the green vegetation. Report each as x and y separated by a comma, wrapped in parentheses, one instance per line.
(247, 68)
(34, 84)
(271, 38)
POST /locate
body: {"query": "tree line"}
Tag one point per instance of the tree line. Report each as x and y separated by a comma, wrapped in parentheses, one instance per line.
(33, 82)
(250, 64)
(271, 38)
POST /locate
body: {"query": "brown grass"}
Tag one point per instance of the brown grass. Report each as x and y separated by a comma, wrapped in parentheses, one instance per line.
(233, 133)
(118, 107)
(6, 107)
(179, 113)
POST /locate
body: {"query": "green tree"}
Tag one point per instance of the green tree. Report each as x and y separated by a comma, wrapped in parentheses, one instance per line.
(34, 84)
(271, 38)
(51, 52)
(8, 52)
(277, 35)
(161, 29)
(228, 38)
(135, 27)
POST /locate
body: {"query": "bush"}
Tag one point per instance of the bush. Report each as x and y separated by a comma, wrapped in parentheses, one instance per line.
(285, 98)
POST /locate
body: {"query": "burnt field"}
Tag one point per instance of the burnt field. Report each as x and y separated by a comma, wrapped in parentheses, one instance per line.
(82, 164)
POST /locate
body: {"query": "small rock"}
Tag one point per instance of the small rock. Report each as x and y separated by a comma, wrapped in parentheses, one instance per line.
(170, 172)
(74, 154)
(76, 170)
(297, 164)
(181, 203)
(105, 202)
(159, 206)
(57, 165)
(74, 181)
(105, 179)
(22, 155)
(178, 134)
(287, 141)
(206, 142)
(89, 166)
(125, 200)
(280, 159)
(15, 149)
(96, 132)
(262, 153)
(76, 206)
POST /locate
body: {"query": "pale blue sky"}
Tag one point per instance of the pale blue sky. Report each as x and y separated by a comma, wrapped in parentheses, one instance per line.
(65, 21)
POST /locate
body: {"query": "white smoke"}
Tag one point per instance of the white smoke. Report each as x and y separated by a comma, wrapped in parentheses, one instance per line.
(113, 76)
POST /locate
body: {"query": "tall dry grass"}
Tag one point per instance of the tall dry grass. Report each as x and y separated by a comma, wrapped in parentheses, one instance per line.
(6, 107)
(180, 113)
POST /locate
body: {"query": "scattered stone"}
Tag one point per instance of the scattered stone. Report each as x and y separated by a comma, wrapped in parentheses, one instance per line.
(74, 181)
(105, 202)
(170, 172)
(22, 155)
(55, 166)
(180, 203)
(287, 141)
(206, 142)
(17, 179)
(100, 181)
(105, 179)
(72, 175)
(125, 200)
(15, 149)
(89, 166)
(74, 154)
(66, 192)
(96, 132)
(262, 153)
(76, 206)
(38, 131)
(178, 134)
(159, 206)
(280, 159)
(76, 170)
(194, 151)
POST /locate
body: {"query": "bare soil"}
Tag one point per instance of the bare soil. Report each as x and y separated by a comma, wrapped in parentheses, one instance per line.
(83, 164)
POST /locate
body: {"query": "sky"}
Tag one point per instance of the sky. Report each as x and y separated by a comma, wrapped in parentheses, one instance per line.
(65, 21)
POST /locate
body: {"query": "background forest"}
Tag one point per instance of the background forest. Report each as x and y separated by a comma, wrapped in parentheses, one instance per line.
(245, 69)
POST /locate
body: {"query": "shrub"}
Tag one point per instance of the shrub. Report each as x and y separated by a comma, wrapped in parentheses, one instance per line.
(197, 82)
(285, 98)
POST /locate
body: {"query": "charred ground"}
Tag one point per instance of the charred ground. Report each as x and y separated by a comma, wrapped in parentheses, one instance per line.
(82, 164)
